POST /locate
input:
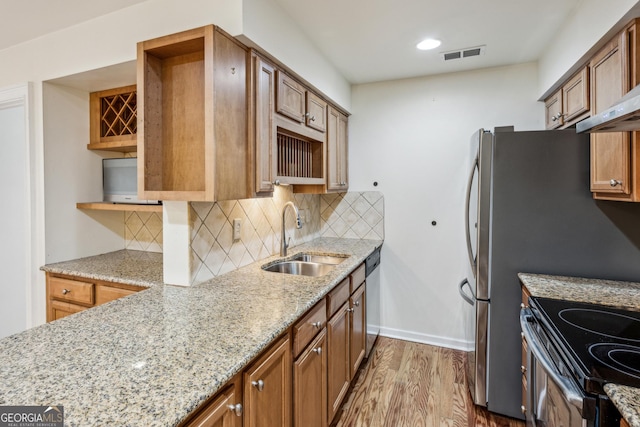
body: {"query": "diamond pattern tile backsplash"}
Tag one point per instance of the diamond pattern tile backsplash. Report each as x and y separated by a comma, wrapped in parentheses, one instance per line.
(143, 231)
(358, 215)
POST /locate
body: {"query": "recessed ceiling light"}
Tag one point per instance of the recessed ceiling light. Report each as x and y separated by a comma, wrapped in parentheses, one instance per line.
(427, 44)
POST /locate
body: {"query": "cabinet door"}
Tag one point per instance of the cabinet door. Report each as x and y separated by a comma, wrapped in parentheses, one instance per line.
(337, 151)
(310, 385)
(316, 113)
(291, 98)
(265, 130)
(224, 411)
(610, 151)
(267, 388)
(59, 309)
(338, 362)
(575, 97)
(553, 110)
(358, 333)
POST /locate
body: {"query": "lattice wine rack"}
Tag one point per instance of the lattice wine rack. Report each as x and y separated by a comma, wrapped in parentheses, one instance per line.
(114, 119)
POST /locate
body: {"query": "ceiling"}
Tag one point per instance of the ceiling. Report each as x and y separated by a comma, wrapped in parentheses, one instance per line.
(367, 40)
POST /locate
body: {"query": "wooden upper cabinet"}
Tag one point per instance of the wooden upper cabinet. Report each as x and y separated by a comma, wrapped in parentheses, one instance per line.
(610, 151)
(264, 128)
(337, 151)
(299, 104)
(113, 122)
(316, 112)
(575, 98)
(553, 110)
(267, 388)
(192, 117)
(570, 103)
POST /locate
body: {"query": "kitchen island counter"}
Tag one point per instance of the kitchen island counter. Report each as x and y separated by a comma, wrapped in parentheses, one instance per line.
(613, 293)
(152, 358)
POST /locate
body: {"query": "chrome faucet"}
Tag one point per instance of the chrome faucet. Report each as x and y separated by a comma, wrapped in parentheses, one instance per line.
(284, 244)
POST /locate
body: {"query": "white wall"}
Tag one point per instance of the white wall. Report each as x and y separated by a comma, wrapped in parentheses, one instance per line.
(591, 20)
(413, 138)
(73, 174)
(268, 25)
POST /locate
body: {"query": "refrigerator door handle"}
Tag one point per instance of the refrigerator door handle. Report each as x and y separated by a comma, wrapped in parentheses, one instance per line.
(472, 258)
(469, 299)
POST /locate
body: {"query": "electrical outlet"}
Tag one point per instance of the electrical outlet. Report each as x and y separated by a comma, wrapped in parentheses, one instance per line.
(236, 229)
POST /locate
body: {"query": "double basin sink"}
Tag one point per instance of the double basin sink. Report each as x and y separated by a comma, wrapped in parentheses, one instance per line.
(306, 264)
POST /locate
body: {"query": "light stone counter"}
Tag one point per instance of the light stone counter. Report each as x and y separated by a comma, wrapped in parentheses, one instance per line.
(136, 268)
(152, 358)
(595, 291)
(613, 293)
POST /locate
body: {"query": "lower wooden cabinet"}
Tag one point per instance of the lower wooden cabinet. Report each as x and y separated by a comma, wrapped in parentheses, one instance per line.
(225, 410)
(70, 294)
(310, 384)
(267, 388)
(357, 330)
(338, 361)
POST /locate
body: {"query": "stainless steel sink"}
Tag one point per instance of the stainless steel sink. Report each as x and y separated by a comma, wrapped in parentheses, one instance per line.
(321, 259)
(301, 268)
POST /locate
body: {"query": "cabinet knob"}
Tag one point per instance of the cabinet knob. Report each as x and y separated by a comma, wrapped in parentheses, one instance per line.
(236, 409)
(615, 182)
(258, 384)
(521, 305)
(356, 303)
(65, 291)
(523, 369)
(312, 118)
(523, 409)
(350, 310)
(276, 182)
(557, 117)
(317, 351)
(317, 325)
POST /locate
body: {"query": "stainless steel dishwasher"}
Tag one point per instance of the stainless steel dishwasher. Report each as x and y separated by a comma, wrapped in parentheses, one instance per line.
(372, 287)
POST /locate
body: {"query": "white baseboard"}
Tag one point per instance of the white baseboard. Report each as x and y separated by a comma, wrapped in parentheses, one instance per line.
(453, 343)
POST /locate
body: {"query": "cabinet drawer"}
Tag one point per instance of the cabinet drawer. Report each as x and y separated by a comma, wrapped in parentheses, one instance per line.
(307, 328)
(357, 277)
(109, 293)
(338, 296)
(71, 290)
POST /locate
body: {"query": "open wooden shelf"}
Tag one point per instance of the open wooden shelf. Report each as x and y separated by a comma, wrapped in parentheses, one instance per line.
(123, 207)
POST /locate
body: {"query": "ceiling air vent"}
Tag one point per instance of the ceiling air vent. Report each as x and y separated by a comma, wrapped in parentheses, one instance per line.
(468, 52)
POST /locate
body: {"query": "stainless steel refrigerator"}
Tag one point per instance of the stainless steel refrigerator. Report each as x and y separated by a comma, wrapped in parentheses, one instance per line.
(529, 209)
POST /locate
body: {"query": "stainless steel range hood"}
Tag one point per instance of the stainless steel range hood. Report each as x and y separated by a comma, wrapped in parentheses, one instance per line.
(623, 116)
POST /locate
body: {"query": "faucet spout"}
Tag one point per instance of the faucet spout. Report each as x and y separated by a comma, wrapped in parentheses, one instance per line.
(284, 244)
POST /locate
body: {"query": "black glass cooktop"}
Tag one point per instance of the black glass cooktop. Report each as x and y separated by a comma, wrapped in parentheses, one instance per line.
(602, 342)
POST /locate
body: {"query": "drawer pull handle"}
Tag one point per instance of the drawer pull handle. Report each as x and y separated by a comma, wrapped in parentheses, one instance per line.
(318, 351)
(236, 409)
(258, 384)
(65, 291)
(317, 325)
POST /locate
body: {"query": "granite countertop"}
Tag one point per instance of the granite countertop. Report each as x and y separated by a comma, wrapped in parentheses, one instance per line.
(595, 291)
(613, 293)
(138, 268)
(152, 358)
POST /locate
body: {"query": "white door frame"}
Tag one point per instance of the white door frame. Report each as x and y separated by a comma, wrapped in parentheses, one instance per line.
(10, 97)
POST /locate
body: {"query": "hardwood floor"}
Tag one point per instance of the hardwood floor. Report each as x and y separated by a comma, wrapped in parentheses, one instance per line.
(410, 384)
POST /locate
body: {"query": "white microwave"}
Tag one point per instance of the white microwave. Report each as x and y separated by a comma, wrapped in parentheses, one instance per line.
(120, 181)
